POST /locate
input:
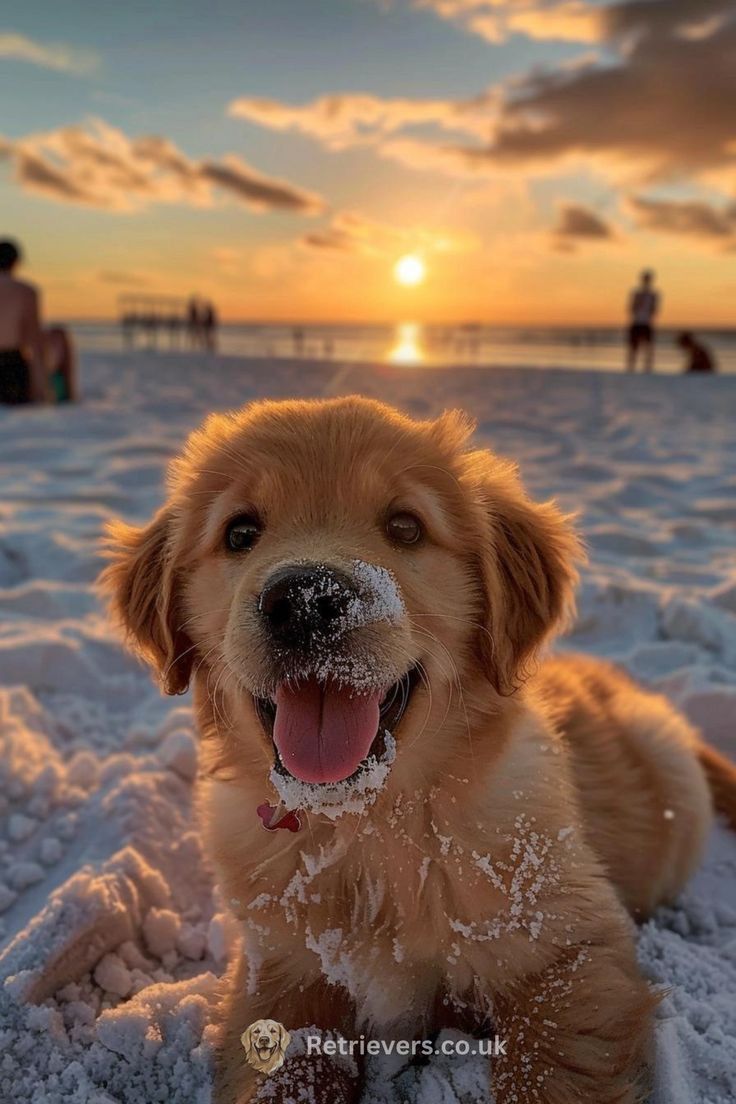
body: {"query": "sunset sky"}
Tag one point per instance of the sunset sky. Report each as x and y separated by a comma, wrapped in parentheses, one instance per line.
(281, 156)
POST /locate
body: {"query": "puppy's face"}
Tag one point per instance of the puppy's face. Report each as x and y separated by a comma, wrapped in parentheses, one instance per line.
(338, 576)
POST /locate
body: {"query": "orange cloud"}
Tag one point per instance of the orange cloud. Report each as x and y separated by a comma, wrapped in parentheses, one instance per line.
(579, 20)
(497, 20)
(350, 232)
(98, 165)
(345, 119)
(634, 118)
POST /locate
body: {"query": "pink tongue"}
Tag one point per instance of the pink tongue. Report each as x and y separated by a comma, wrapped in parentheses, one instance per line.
(323, 732)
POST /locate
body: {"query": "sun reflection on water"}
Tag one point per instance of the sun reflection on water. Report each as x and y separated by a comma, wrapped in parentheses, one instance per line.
(408, 347)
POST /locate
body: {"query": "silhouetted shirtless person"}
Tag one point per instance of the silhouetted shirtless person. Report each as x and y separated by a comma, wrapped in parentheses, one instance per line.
(643, 309)
(22, 375)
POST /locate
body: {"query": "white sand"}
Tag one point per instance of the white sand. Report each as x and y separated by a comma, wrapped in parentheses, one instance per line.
(110, 936)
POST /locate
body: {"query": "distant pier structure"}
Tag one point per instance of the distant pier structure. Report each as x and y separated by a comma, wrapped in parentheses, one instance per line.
(154, 321)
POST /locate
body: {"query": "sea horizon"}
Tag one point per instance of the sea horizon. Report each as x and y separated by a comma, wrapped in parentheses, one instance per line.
(587, 347)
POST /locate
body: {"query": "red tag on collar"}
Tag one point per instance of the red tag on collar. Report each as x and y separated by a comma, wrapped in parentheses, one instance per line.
(290, 821)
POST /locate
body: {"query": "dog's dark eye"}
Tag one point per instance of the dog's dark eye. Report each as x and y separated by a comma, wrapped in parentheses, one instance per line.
(404, 528)
(242, 533)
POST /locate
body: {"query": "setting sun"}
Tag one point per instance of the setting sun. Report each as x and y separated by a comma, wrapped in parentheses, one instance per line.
(410, 270)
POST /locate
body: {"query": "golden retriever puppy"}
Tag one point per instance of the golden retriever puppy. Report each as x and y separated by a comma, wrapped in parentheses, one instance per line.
(414, 829)
(265, 1043)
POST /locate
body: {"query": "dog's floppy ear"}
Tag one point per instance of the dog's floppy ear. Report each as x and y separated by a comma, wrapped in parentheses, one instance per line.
(529, 558)
(284, 1039)
(142, 586)
(247, 1040)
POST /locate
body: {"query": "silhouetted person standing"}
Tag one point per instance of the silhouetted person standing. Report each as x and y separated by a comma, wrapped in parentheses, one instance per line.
(208, 321)
(194, 323)
(699, 356)
(22, 374)
(643, 309)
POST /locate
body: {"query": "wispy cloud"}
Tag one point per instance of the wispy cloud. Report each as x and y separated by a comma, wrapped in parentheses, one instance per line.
(576, 221)
(696, 219)
(577, 225)
(233, 177)
(628, 115)
(497, 20)
(344, 119)
(47, 55)
(123, 279)
(350, 232)
(98, 165)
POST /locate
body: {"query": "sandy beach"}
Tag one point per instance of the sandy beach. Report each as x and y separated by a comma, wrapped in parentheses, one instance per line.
(111, 934)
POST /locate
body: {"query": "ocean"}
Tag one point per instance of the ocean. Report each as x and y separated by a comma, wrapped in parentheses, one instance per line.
(408, 343)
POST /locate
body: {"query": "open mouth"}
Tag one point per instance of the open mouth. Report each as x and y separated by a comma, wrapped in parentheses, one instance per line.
(325, 732)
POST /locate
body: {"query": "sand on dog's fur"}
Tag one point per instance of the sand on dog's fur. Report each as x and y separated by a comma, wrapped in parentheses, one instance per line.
(657, 597)
(503, 764)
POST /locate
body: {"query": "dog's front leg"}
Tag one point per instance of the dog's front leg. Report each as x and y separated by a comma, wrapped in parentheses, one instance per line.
(314, 1078)
(579, 1031)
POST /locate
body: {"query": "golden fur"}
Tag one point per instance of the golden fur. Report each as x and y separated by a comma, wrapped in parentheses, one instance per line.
(529, 806)
(265, 1043)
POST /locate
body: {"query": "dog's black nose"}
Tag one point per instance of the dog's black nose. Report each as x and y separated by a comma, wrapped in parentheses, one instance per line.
(305, 603)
